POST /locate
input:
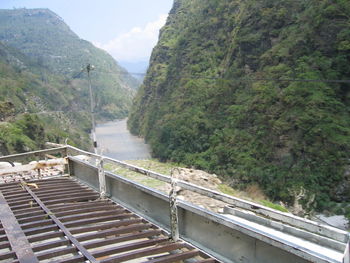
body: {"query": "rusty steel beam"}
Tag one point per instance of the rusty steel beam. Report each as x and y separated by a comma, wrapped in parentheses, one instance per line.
(66, 195)
(98, 220)
(39, 223)
(8, 255)
(103, 226)
(23, 206)
(38, 230)
(3, 238)
(128, 247)
(52, 244)
(16, 194)
(90, 215)
(66, 222)
(57, 253)
(29, 219)
(77, 245)
(122, 238)
(143, 253)
(5, 244)
(114, 231)
(92, 208)
(72, 206)
(46, 236)
(82, 198)
(15, 235)
(64, 190)
(26, 210)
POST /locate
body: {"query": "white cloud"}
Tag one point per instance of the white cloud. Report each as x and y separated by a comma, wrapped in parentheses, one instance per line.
(135, 45)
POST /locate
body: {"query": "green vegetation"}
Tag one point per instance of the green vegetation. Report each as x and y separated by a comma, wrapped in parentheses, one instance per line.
(153, 165)
(165, 169)
(33, 111)
(274, 206)
(52, 48)
(215, 96)
(40, 88)
(225, 189)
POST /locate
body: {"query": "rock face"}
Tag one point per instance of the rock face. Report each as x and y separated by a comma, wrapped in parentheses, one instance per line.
(203, 179)
(199, 177)
(236, 88)
(342, 192)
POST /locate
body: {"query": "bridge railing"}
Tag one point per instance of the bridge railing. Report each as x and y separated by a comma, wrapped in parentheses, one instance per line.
(287, 218)
(93, 173)
(296, 226)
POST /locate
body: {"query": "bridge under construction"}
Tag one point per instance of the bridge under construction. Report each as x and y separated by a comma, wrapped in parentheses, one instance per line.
(86, 213)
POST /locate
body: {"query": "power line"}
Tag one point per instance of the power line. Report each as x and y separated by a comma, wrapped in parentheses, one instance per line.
(236, 79)
(78, 74)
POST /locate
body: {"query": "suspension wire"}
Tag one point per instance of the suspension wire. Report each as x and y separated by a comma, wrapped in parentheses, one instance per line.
(236, 79)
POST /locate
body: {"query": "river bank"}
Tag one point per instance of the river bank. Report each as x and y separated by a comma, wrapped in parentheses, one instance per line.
(117, 142)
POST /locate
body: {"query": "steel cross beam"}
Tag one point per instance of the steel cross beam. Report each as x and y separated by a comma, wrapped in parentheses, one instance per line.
(68, 234)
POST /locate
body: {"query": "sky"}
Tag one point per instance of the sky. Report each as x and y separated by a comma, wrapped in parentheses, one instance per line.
(127, 29)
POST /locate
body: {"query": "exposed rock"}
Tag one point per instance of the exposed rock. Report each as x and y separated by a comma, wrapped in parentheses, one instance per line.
(342, 191)
(203, 179)
(199, 177)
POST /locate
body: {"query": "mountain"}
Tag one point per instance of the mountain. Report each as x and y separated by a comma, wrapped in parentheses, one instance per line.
(224, 93)
(33, 110)
(43, 36)
(44, 89)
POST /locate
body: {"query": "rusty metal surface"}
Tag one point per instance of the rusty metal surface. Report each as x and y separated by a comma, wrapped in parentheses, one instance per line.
(17, 239)
(64, 221)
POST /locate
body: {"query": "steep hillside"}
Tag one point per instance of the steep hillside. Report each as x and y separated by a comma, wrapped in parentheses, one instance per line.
(218, 95)
(44, 37)
(33, 110)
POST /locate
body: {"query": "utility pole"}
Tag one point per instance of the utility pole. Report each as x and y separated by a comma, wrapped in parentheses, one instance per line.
(101, 172)
(89, 67)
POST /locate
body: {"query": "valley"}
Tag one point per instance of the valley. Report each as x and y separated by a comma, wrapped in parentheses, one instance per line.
(256, 92)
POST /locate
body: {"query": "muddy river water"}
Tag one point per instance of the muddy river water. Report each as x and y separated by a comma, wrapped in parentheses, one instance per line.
(117, 142)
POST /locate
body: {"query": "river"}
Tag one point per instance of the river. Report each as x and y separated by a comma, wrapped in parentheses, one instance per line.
(117, 142)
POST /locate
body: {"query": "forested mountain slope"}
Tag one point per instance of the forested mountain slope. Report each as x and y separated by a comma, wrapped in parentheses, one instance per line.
(33, 111)
(43, 36)
(218, 94)
(44, 94)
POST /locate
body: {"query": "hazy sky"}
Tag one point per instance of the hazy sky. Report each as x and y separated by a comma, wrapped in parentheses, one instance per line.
(127, 29)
